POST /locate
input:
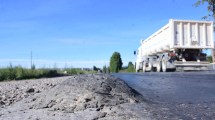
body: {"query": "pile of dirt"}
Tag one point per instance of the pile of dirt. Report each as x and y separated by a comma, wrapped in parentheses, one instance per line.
(80, 97)
(14, 91)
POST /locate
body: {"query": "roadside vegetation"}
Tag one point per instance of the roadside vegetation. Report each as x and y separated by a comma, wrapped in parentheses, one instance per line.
(116, 65)
(128, 69)
(115, 62)
(20, 73)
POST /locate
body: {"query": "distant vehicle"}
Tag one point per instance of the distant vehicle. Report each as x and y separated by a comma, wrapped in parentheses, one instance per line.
(177, 45)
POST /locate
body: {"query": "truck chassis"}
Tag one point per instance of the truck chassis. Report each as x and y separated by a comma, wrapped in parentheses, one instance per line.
(179, 60)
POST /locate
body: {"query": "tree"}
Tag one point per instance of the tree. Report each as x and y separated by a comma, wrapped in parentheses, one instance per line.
(210, 7)
(95, 68)
(108, 70)
(131, 67)
(104, 70)
(115, 62)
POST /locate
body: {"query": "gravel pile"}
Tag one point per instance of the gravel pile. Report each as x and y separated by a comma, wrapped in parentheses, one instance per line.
(14, 91)
(87, 97)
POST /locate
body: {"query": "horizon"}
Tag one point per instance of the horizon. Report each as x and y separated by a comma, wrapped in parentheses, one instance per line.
(83, 34)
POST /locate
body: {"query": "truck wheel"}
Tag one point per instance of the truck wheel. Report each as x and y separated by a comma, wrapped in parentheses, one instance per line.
(158, 69)
(150, 67)
(173, 70)
(163, 65)
(144, 67)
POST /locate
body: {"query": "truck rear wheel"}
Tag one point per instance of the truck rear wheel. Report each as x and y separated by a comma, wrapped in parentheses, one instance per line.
(158, 69)
(144, 67)
(150, 68)
(163, 65)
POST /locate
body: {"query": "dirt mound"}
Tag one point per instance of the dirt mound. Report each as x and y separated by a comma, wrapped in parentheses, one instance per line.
(82, 92)
(80, 97)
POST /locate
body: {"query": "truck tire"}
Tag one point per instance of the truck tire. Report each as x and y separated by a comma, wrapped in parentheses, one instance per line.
(144, 67)
(150, 68)
(158, 69)
(173, 70)
(164, 65)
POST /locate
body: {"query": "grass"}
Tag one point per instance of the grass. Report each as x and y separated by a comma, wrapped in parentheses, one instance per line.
(126, 69)
(19, 73)
(75, 71)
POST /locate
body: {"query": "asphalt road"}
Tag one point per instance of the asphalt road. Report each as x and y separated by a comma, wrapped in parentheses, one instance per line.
(178, 95)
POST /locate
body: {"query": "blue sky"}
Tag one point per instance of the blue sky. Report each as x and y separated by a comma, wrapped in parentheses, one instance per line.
(82, 33)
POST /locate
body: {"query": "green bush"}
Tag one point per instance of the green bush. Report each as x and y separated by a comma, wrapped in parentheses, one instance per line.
(50, 73)
(21, 73)
(115, 62)
(3, 74)
(131, 67)
(11, 73)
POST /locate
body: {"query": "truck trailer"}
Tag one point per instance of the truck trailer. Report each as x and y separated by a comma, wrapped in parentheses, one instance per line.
(178, 45)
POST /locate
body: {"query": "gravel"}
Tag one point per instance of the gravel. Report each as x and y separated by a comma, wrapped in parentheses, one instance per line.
(14, 91)
(90, 97)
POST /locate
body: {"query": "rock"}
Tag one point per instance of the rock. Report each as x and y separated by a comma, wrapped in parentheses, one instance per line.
(30, 90)
(3, 97)
(38, 91)
(2, 103)
(100, 115)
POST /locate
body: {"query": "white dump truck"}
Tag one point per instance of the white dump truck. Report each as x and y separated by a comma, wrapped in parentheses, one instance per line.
(177, 45)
